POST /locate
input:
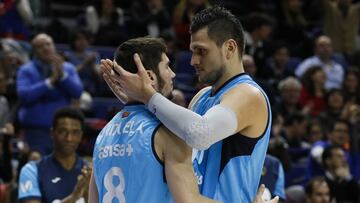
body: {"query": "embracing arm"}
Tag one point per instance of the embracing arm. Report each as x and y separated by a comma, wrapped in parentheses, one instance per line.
(178, 168)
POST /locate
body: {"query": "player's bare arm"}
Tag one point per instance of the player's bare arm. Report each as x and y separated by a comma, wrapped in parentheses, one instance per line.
(179, 172)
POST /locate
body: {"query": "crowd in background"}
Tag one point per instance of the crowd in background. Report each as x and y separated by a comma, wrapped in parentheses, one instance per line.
(305, 54)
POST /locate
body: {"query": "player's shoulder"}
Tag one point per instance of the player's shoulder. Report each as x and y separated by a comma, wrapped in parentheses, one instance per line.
(198, 95)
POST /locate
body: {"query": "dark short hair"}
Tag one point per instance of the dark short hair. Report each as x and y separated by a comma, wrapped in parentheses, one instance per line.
(343, 121)
(294, 117)
(68, 112)
(222, 25)
(309, 187)
(255, 20)
(149, 49)
(328, 153)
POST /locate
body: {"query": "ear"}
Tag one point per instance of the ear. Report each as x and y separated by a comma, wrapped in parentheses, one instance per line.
(152, 76)
(231, 48)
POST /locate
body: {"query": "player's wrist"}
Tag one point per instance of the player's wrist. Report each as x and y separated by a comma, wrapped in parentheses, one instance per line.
(148, 93)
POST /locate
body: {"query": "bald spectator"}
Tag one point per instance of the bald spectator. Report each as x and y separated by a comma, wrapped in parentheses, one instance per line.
(323, 57)
(43, 85)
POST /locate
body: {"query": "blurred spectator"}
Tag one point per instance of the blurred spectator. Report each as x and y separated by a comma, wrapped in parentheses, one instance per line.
(289, 89)
(6, 132)
(107, 23)
(335, 102)
(312, 96)
(341, 24)
(318, 191)
(258, 28)
(4, 105)
(351, 86)
(315, 131)
(14, 17)
(85, 60)
(280, 65)
(338, 135)
(12, 55)
(292, 26)
(149, 17)
(182, 15)
(323, 58)
(273, 177)
(43, 85)
(337, 172)
(294, 133)
(62, 176)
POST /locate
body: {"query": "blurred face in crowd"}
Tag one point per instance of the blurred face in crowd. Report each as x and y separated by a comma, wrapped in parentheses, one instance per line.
(351, 83)
(320, 193)
(340, 134)
(315, 133)
(81, 43)
(319, 77)
(336, 100)
(281, 56)
(337, 159)
(207, 58)
(44, 47)
(323, 47)
(264, 31)
(67, 135)
(290, 94)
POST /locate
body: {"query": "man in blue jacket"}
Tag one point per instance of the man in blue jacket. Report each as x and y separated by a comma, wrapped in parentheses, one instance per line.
(43, 85)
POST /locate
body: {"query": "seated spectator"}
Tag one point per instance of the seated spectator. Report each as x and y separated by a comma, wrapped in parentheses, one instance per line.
(312, 96)
(289, 90)
(351, 85)
(335, 102)
(62, 176)
(85, 60)
(317, 191)
(14, 19)
(280, 65)
(106, 22)
(323, 58)
(43, 85)
(315, 131)
(149, 18)
(182, 15)
(337, 172)
(273, 178)
(6, 132)
(338, 135)
(258, 28)
(294, 132)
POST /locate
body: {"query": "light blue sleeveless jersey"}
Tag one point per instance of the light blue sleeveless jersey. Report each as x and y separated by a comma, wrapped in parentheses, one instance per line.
(230, 169)
(126, 167)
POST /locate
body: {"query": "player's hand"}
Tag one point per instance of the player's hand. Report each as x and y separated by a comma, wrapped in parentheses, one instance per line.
(108, 75)
(137, 86)
(258, 197)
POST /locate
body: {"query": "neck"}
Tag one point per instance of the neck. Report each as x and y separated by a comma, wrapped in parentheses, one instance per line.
(230, 72)
(66, 161)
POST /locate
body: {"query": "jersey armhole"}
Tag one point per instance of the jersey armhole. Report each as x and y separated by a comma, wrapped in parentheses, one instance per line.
(153, 145)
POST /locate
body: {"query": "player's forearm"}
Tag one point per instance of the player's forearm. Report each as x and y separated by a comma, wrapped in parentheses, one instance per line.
(198, 131)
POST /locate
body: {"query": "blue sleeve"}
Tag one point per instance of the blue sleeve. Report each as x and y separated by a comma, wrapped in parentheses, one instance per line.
(280, 183)
(72, 83)
(28, 90)
(28, 183)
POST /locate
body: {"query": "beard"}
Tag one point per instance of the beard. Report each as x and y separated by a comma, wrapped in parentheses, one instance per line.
(213, 76)
(161, 84)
